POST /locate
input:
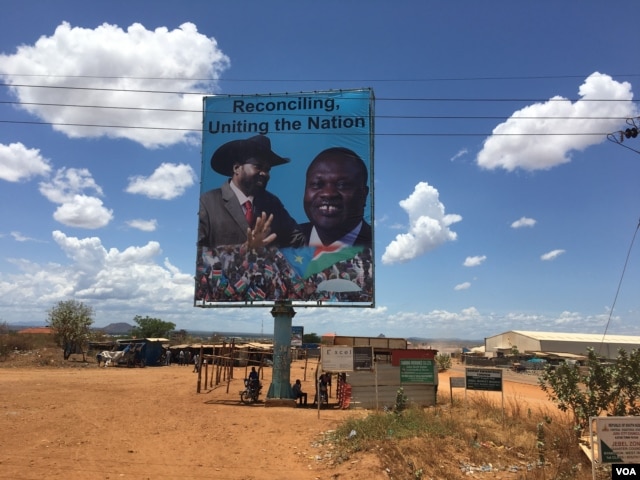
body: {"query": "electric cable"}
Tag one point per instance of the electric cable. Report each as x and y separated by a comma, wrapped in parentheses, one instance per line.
(626, 262)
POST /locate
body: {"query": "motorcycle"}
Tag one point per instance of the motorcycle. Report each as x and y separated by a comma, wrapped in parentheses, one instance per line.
(251, 391)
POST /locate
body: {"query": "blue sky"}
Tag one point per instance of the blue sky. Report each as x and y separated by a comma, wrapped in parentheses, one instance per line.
(499, 202)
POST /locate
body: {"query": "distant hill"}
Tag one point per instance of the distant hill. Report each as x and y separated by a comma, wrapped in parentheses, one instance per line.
(120, 328)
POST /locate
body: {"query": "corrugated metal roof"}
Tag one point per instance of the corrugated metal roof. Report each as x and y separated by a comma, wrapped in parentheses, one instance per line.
(580, 337)
(561, 355)
(260, 346)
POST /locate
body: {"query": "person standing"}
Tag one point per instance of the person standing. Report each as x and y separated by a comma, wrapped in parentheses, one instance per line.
(196, 363)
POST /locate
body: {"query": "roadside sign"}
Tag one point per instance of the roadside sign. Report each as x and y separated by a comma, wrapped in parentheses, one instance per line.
(337, 359)
(362, 358)
(417, 371)
(456, 382)
(489, 379)
(346, 359)
(615, 439)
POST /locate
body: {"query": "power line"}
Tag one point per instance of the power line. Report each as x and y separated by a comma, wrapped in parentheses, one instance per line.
(615, 298)
(377, 117)
(381, 99)
(382, 134)
(111, 107)
(341, 80)
(407, 117)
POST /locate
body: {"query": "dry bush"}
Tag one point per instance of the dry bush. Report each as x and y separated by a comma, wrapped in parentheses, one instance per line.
(471, 437)
(12, 341)
(35, 350)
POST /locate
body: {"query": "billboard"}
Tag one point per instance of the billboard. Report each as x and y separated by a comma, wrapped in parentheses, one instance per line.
(297, 334)
(286, 200)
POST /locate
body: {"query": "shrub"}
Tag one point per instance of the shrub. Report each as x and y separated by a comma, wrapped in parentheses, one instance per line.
(461, 439)
(612, 388)
(443, 362)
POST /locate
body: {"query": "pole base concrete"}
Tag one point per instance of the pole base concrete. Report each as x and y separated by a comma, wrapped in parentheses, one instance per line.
(280, 402)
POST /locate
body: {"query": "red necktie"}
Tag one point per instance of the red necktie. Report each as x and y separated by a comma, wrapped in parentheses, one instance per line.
(248, 212)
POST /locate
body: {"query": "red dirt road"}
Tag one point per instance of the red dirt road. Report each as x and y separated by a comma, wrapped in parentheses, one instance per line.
(132, 423)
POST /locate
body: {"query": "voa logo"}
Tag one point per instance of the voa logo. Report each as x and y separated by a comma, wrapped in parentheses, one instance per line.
(625, 471)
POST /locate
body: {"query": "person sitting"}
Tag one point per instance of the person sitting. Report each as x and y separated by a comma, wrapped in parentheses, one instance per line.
(254, 380)
(300, 395)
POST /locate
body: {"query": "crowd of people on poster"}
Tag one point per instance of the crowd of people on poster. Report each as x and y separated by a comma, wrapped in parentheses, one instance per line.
(286, 199)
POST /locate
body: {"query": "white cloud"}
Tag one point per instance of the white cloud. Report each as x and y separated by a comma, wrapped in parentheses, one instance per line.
(446, 323)
(19, 237)
(131, 280)
(18, 163)
(468, 323)
(461, 153)
(552, 255)
(76, 209)
(474, 261)
(428, 226)
(523, 222)
(462, 286)
(167, 182)
(533, 143)
(83, 212)
(67, 183)
(144, 225)
(111, 67)
(132, 274)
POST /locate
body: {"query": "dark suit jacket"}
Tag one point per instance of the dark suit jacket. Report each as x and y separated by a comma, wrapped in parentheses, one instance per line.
(364, 238)
(222, 221)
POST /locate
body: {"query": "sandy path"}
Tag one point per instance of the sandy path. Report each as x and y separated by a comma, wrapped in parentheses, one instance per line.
(132, 423)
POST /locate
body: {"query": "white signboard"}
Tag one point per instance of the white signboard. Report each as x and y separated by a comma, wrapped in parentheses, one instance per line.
(337, 359)
(618, 439)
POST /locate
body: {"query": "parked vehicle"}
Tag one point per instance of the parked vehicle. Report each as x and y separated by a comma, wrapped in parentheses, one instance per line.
(251, 391)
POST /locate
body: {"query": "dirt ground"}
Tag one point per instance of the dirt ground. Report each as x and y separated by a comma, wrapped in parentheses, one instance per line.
(151, 423)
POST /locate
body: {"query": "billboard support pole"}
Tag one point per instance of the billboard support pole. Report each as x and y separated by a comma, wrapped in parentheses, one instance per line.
(280, 388)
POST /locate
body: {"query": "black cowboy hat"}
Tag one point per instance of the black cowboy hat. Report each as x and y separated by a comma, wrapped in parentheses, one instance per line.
(239, 151)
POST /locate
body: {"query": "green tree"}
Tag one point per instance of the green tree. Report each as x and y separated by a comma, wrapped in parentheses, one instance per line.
(149, 327)
(612, 388)
(180, 336)
(70, 322)
(626, 380)
(311, 338)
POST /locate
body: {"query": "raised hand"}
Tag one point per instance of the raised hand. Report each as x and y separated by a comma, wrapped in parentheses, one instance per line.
(260, 235)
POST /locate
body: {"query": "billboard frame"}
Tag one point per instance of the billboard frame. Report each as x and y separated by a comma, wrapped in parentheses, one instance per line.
(348, 123)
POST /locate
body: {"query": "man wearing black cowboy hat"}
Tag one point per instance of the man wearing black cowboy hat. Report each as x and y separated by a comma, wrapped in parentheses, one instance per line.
(241, 210)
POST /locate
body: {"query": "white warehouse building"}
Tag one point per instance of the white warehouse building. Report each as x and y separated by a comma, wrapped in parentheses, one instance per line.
(527, 342)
